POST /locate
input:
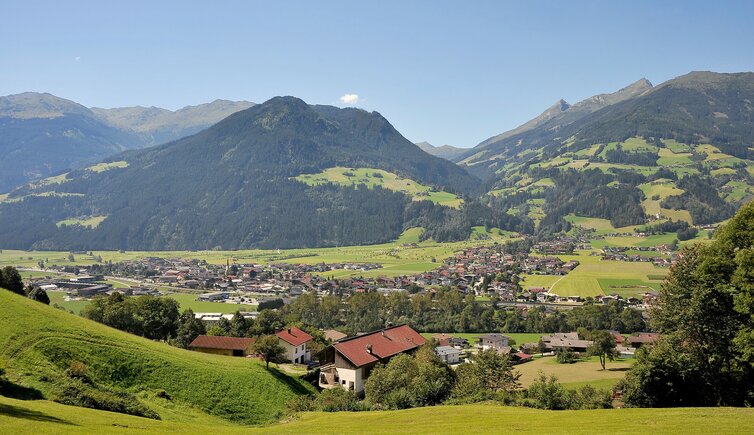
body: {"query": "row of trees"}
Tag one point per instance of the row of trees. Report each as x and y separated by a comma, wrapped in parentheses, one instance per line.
(450, 311)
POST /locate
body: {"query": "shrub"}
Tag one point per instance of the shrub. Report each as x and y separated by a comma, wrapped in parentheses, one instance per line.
(75, 392)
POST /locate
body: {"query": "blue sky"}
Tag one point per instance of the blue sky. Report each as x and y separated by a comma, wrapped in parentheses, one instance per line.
(446, 72)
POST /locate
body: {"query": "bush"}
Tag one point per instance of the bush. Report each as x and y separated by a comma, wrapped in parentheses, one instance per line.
(75, 392)
(330, 400)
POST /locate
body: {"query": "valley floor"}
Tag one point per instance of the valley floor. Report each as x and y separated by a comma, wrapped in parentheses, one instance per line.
(23, 417)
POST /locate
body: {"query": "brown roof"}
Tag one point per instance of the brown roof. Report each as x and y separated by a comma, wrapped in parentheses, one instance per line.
(378, 345)
(230, 343)
(294, 336)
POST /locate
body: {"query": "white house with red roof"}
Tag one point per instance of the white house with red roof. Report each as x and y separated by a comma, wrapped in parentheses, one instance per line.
(349, 361)
(294, 342)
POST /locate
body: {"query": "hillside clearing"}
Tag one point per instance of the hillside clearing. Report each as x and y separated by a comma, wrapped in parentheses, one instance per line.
(372, 177)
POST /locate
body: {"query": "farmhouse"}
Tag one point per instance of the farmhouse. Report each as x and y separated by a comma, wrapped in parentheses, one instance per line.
(349, 362)
(294, 342)
(449, 355)
(230, 346)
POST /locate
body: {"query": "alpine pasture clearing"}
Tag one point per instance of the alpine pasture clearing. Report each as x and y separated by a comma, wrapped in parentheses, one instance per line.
(22, 417)
(372, 177)
(88, 222)
(38, 343)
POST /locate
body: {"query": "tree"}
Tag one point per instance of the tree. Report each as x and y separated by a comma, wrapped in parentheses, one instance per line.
(705, 313)
(566, 356)
(495, 371)
(407, 381)
(269, 347)
(189, 328)
(39, 295)
(603, 347)
(548, 393)
(11, 280)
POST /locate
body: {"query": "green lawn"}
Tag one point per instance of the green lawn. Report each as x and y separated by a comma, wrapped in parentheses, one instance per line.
(587, 370)
(22, 417)
(584, 280)
(38, 343)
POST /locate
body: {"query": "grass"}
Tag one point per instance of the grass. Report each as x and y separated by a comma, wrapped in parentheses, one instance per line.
(184, 299)
(628, 287)
(88, 222)
(37, 344)
(102, 167)
(21, 417)
(371, 177)
(585, 371)
(585, 279)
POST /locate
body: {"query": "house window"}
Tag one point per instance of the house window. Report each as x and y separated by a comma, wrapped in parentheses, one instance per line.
(344, 381)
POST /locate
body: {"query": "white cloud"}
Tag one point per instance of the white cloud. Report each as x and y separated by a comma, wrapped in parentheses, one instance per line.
(349, 99)
(77, 58)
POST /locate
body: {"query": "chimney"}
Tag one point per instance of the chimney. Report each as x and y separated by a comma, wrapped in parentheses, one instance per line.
(369, 349)
(289, 331)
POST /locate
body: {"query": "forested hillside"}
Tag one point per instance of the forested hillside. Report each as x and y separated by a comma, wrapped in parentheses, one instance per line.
(233, 186)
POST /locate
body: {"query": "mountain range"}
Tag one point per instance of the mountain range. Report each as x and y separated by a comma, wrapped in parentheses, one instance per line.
(288, 174)
(232, 186)
(41, 134)
(447, 152)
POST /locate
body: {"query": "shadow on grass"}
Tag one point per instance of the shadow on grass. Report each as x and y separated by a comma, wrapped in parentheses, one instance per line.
(289, 381)
(28, 414)
(14, 391)
(619, 369)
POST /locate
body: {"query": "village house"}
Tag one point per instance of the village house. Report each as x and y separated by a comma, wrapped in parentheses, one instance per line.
(294, 342)
(230, 346)
(498, 342)
(349, 362)
(566, 340)
(448, 354)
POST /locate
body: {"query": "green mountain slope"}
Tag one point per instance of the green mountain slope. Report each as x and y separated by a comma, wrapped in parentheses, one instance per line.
(233, 186)
(680, 151)
(38, 344)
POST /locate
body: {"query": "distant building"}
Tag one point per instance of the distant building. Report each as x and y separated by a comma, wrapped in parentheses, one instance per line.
(449, 355)
(230, 346)
(213, 297)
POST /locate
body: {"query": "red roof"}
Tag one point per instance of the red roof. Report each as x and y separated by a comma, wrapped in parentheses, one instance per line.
(372, 347)
(294, 336)
(232, 343)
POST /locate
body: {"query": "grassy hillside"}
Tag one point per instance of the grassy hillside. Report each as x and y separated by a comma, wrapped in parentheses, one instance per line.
(38, 343)
(372, 177)
(21, 417)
